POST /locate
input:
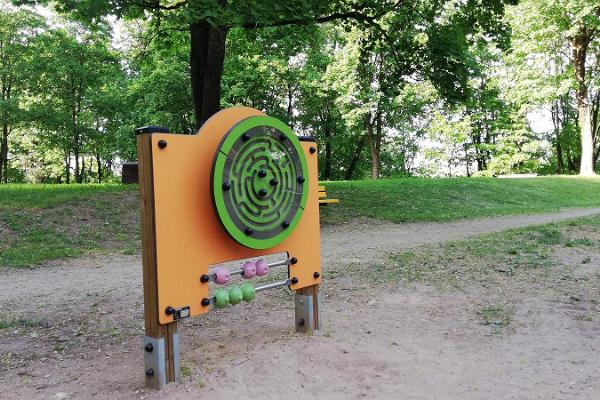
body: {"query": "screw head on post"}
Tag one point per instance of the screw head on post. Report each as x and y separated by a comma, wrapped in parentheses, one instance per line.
(312, 150)
(316, 275)
(169, 310)
(205, 302)
(149, 348)
(150, 372)
(204, 278)
(162, 144)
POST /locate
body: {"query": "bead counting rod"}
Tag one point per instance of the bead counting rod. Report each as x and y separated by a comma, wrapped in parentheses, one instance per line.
(273, 285)
(239, 271)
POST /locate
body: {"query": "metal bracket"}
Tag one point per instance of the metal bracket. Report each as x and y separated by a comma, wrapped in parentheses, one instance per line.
(176, 357)
(154, 362)
(303, 306)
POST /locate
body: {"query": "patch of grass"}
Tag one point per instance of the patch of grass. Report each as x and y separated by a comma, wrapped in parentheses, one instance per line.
(416, 199)
(46, 222)
(20, 323)
(496, 316)
(579, 242)
(457, 264)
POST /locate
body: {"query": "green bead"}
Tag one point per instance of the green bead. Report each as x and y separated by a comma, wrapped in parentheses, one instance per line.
(249, 292)
(221, 298)
(235, 295)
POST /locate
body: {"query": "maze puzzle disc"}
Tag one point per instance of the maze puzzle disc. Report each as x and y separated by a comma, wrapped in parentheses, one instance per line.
(260, 182)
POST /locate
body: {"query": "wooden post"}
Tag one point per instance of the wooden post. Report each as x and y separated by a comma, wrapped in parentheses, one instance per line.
(157, 375)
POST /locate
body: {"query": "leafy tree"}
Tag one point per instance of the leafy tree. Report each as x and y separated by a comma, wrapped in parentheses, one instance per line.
(72, 66)
(448, 26)
(560, 37)
(18, 31)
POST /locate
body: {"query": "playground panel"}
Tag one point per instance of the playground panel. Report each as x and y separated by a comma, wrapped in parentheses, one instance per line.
(243, 187)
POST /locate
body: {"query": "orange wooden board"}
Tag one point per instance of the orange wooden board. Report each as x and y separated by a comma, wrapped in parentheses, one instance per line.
(189, 236)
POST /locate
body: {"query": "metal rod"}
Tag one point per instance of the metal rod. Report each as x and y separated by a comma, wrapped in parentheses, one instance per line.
(239, 271)
(273, 285)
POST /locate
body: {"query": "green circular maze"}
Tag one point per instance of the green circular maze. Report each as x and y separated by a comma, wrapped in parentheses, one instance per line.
(260, 182)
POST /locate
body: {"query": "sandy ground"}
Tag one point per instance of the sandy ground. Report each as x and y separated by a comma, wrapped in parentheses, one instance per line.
(82, 328)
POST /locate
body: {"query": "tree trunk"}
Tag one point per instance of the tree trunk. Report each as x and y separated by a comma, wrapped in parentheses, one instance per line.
(355, 158)
(99, 165)
(4, 154)
(374, 143)
(207, 56)
(77, 167)
(68, 168)
(327, 163)
(580, 45)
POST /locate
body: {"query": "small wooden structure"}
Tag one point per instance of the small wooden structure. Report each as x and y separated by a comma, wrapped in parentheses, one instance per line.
(323, 200)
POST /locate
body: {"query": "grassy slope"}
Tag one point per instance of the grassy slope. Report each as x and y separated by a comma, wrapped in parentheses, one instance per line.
(45, 222)
(408, 200)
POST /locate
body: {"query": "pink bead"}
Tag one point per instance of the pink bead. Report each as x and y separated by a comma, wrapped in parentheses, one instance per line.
(222, 275)
(262, 268)
(249, 269)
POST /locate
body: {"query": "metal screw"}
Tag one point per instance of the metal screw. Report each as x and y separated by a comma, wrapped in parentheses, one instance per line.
(273, 182)
(294, 260)
(245, 137)
(170, 310)
(226, 186)
(262, 192)
(285, 224)
(312, 150)
(301, 179)
(204, 278)
(149, 348)
(294, 280)
(301, 322)
(162, 144)
(282, 137)
(262, 173)
(248, 232)
(316, 275)
(150, 372)
(205, 302)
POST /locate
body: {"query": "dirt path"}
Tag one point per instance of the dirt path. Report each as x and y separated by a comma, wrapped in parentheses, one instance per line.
(83, 328)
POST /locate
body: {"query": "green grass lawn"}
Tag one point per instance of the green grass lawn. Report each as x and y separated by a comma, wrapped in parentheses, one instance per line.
(414, 199)
(46, 222)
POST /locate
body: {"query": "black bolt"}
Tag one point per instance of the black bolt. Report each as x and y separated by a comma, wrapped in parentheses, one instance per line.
(285, 224)
(294, 280)
(282, 137)
(294, 260)
(226, 186)
(273, 182)
(262, 192)
(262, 173)
(301, 322)
(170, 310)
(316, 275)
(248, 232)
(204, 278)
(205, 302)
(150, 372)
(245, 137)
(301, 179)
(312, 150)
(149, 348)
(162, 144)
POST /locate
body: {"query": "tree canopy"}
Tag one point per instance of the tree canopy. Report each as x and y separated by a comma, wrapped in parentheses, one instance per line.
(387, 88)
